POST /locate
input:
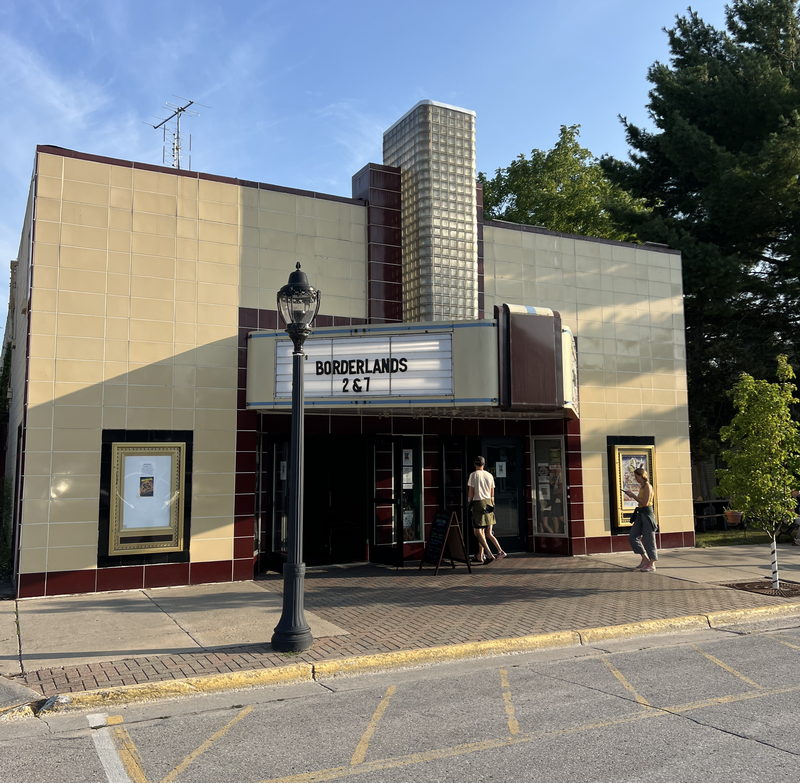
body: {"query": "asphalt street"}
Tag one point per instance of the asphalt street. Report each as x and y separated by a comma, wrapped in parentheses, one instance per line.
(710, 706)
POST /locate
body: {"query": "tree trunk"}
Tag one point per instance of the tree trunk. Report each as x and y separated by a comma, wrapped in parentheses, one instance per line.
(776, 580)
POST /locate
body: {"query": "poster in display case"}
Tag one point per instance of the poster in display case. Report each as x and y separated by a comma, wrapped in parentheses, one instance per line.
(626, 459)
(147, 498)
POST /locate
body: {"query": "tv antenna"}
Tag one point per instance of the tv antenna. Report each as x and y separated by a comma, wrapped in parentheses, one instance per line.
(171, 128)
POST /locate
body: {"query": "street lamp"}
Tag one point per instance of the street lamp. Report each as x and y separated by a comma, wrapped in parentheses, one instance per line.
(298, 303)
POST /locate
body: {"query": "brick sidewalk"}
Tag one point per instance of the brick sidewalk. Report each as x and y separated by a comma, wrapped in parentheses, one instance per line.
(385, 610)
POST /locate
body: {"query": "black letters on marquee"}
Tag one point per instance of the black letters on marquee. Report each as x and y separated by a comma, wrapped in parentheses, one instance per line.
(360, 367)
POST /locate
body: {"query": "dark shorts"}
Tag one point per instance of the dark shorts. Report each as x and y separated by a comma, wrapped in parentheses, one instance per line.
(480, 516)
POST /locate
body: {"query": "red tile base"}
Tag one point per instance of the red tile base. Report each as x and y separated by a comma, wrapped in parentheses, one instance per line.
(122, 578)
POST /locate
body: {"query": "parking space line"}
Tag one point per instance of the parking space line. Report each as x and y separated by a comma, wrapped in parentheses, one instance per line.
(106, 749)
(339, 773)
(360, 752)
(129, 754)
(788, 644)
(200, 749)
(625, 684)
(511, 716)
(727, 668)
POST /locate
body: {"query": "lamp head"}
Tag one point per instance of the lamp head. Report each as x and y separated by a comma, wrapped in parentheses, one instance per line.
(298, 304)
(298, 301)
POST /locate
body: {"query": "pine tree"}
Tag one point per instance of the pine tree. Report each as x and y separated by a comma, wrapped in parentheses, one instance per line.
(721, 171)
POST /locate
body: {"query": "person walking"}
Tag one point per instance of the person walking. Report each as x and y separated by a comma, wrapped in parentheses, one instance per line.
(480, 494)
(643, 530)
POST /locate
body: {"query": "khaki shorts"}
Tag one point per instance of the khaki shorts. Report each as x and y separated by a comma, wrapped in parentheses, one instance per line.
(480, 516)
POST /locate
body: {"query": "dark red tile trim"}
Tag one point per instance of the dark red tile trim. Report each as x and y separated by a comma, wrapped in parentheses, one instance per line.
(31, 585)
(598, 546)
(671, 540)
(216, 571)
(68, 582)
(578, 546)
(620, 544)
(244, 569)
(167, 575)
(243, 547)
(123, 578)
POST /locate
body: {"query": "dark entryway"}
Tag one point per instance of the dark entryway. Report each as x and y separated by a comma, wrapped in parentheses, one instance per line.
(336, 504)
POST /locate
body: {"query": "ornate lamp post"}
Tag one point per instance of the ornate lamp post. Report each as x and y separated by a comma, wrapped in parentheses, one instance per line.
(298, 303)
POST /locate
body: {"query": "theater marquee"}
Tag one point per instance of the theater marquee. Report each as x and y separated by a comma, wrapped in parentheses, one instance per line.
(348, 367)
(523, 361)
(442, 364)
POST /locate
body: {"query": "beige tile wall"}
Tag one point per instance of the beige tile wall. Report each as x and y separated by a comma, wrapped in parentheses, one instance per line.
(624, 304)
(138, 277)
(328, 238)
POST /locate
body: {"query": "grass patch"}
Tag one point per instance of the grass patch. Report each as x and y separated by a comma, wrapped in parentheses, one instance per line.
(731, 537)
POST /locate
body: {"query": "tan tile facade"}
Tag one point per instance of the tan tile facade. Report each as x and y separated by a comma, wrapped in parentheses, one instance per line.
(624, 303)
(138, 279)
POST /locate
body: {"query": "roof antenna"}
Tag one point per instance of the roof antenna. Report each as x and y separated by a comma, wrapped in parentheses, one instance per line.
(172, 133)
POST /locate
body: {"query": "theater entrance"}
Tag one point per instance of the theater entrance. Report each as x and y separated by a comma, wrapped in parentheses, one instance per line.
(335, 506)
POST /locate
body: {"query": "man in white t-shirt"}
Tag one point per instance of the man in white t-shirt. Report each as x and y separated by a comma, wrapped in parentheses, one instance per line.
(480, 494)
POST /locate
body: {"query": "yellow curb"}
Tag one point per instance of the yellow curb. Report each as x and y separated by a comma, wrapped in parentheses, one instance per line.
(210, 683)
(731, 616)
(20, 712)
(451, 652)
(693, 621)
(151, 691)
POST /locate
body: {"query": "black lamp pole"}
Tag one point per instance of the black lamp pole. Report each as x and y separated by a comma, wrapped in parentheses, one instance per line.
(298, 303)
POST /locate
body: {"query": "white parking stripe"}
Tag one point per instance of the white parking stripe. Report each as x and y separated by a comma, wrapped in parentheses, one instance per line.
(106, 749)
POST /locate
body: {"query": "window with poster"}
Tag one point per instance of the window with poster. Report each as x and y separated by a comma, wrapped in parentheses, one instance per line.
(411, 490)
(144, 497)
(625, 455)
(550, 499)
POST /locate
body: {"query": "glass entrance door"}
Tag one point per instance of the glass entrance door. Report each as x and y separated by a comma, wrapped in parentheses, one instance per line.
(504, 461)
(398, 503)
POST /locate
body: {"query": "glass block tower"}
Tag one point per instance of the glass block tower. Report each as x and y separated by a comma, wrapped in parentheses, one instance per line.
(434, 147)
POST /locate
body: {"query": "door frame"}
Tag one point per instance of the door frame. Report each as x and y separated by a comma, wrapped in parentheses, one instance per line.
(519, 542)
(395, 553)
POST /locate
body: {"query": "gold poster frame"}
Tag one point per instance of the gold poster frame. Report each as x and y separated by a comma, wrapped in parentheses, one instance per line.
(626, 459)
(130, 530)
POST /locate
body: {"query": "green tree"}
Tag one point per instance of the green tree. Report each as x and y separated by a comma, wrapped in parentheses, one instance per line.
(721, 170)
(763, 454)
(563, 189)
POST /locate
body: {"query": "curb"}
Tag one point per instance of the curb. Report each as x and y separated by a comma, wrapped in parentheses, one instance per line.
(307, 672)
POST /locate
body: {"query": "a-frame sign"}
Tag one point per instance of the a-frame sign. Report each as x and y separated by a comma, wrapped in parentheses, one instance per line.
(445, 542)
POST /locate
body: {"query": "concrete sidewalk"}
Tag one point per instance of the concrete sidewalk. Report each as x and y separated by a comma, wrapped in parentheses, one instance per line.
(63, 645)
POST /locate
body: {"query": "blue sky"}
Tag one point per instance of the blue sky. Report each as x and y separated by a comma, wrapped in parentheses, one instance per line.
(299, 93)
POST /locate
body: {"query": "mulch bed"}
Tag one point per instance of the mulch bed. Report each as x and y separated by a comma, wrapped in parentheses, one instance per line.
(764, 587)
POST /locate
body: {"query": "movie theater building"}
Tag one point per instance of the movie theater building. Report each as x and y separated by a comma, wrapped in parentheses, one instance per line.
(150, 387)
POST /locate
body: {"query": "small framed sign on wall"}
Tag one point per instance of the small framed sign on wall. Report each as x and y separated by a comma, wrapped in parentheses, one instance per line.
(146, 498)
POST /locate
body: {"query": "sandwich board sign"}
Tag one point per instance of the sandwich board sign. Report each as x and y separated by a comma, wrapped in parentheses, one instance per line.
(445, 542)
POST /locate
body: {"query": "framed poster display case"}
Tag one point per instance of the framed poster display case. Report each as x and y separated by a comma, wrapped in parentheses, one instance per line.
(625, 459)
(146, 498)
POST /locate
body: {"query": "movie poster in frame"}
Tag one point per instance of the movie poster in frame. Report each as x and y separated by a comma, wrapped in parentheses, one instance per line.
(626, 459)
(146, 503)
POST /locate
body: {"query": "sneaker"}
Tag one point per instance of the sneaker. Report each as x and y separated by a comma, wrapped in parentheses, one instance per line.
(500, 554)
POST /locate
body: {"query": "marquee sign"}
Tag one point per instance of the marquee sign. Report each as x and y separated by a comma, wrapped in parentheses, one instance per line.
(353, 367)
(441, 364)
